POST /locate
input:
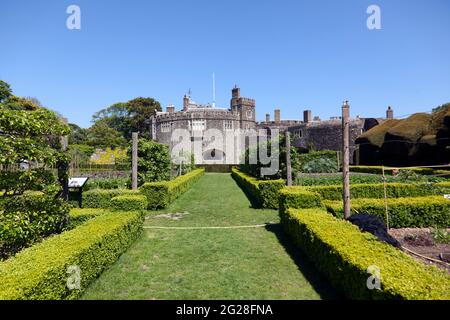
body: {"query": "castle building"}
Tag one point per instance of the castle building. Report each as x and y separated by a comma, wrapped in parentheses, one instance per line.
(311, 133)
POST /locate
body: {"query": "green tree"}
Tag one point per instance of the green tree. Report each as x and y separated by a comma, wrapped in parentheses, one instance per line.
(5, 90)
(29, 138)
(78, 135)
(153, 161)
(128, 117)
(100, 135)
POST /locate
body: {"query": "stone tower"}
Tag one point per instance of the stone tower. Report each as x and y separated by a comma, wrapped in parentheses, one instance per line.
(244, 107)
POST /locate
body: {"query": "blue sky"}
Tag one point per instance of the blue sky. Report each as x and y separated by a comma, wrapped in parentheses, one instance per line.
(294, 55)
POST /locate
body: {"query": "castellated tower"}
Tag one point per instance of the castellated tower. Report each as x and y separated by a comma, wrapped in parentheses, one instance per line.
(244, 107)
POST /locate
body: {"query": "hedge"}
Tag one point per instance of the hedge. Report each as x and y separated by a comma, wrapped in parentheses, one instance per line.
(161, 194)
(403, 212)
(80, 216)
(129, 203)
(298, 197)
(343, 254)
(394, 190)
(388, 170)
(263, 193)
(40, 272)
(100, 198)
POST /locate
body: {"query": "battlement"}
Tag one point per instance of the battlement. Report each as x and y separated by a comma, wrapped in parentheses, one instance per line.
(247, 101)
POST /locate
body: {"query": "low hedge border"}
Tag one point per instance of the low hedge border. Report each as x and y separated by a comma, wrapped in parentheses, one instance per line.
(388, 170)
(343, 254)
(394, 190)
(264, 193)
(161, 194)
(403, 212)
(80, 216)
(298, 198)
(129, 203)
(40, 272)
(101, 198)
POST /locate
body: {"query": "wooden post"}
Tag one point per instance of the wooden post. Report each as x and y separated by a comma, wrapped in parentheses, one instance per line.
(346, 158)
(288, 159)
(63, 167)
(134, 161)
(385, 198)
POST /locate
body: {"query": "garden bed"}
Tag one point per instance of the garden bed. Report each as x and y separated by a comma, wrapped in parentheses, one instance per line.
(422, 242)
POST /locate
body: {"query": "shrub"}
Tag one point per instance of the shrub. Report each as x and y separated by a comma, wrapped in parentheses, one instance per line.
(99, 198)
(343, 254)
(389, 170)
(263, 193)
(79, 216)
(298, 197)
(403, 212)
(129, 203)
(161, 194)
(394, 190)
(319, 162)
(40, 272)
(29, 218)
(107, 183)
(153, 161)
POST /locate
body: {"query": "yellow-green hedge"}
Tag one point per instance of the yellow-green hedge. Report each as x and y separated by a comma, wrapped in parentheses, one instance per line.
(388, 170)
(161, 194)
(264, 193)
(40, 272)
(394, 190)
(129, 203)
(101, 198)
(343, 254)
(403, 212)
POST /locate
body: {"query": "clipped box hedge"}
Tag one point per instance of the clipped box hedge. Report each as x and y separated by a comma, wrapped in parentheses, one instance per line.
(129, 203)
(101, 198)
(264, 193)
(343, 254)
(40, 272)
(299, 197)
(403, 212)
(79, 216)
(388, 170)
(394, 190)
(161, 194)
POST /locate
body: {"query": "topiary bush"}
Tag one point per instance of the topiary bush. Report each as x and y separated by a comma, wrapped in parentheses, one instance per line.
(129, 203)
(41, 272)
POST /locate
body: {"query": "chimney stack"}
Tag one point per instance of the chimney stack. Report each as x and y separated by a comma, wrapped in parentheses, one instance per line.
(170, 108)
(277, 114)
(389, 113)
(267, 117)
(307, 116)
(186, 100)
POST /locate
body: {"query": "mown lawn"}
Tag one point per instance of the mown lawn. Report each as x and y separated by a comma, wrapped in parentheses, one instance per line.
(254, 263)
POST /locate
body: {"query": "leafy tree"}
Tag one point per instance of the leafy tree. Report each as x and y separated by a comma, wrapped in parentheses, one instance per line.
(130, 116)
(29, 137)
(441, 107)
(77, 135)
(5, 90)
(102, 136)
(153, 161)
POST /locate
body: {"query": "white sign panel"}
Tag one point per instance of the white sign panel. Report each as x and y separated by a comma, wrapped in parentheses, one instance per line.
(77, 182)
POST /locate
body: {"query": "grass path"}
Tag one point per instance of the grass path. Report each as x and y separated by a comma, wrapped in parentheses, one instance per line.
(245, 263)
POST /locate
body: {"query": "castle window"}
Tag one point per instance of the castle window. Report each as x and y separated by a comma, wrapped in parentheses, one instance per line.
(198, 125)
(165, 126)
(228, 125)
(298, 133)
